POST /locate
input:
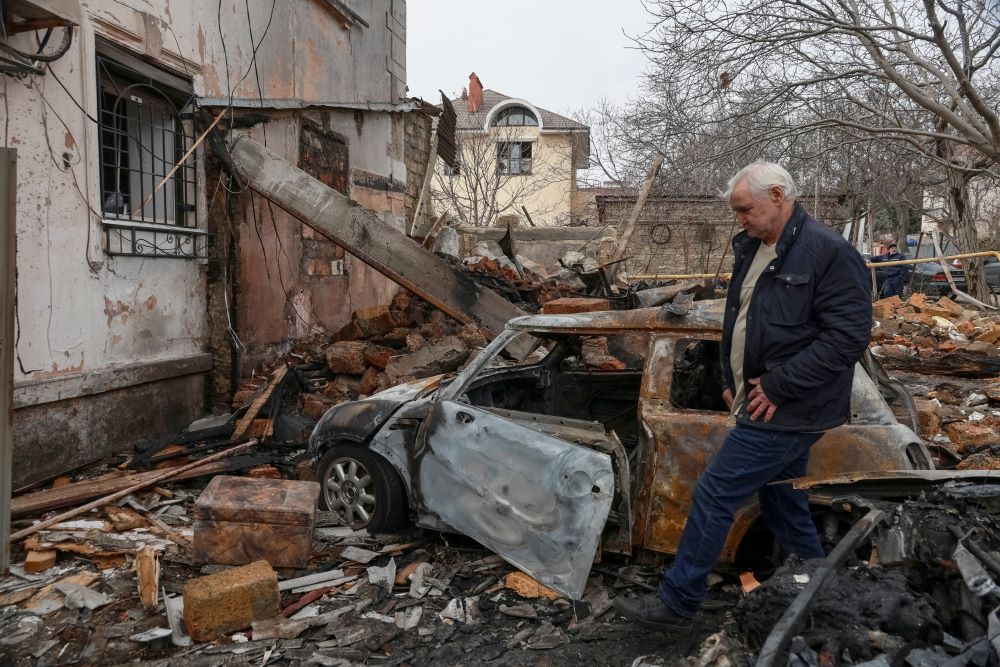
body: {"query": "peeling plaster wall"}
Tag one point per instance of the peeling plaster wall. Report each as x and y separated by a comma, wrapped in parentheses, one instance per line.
(81, 311)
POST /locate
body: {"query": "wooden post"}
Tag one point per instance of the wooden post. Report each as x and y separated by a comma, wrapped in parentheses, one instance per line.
(633, 219)
(8, 189)
(361, 233)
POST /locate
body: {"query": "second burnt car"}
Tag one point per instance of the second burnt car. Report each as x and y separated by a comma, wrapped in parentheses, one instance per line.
(594, 440)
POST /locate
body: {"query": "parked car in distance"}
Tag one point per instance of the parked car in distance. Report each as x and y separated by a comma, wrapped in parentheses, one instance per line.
(594, 440)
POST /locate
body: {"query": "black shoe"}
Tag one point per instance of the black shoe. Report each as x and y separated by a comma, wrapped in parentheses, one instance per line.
(650, 611)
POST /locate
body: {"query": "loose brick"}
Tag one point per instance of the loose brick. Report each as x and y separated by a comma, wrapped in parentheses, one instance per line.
(347, 357)
(928, 418)
(568, 305)
(918, 300)
(230, 601)
(947, 304)
(883, 308)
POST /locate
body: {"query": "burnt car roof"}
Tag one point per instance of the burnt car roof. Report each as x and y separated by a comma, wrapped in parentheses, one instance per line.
(704, 317)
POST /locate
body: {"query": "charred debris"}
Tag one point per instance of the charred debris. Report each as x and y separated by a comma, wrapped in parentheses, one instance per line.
(208, 548)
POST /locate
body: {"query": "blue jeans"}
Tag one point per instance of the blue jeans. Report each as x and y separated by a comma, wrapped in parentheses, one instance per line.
(748, 461)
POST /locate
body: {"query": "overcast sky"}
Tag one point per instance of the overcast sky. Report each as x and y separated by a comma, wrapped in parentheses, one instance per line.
(561, 55)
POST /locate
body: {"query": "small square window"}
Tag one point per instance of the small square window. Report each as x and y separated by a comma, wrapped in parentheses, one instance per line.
(514, 157)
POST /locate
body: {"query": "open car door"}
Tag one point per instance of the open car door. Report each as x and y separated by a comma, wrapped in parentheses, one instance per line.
(538, 501)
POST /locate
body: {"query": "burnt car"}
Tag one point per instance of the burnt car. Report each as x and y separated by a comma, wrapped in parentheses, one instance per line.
(594, 441)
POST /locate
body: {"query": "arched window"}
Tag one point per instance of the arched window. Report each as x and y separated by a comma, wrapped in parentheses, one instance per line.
(516, 116)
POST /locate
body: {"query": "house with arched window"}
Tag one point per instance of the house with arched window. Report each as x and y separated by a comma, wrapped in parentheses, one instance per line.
(515, 161)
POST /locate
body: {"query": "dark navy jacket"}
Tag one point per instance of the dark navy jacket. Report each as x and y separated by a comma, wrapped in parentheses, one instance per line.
(809, 321)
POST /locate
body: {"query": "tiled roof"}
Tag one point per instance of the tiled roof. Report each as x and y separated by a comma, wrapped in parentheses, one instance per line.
(491, 98)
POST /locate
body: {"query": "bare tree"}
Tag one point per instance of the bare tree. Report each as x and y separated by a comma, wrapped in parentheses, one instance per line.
(503, 169)
(776, 76)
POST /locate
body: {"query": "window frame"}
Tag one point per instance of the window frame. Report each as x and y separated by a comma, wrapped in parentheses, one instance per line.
(134, 153)
(506, 161)
(505, 116)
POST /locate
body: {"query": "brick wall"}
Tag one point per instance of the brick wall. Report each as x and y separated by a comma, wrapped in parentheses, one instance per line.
(416, 154)
(684, 234)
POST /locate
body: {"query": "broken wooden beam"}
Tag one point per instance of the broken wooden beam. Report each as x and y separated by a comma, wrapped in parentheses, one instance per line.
(161, 476)
(78, 492)
(360, 232)
(246, 421)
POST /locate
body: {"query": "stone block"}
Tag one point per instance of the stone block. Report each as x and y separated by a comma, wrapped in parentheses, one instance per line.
(969, 435)
(953, 308)
(315, 405)
(442, 356)
(569, 305)
(918, 300)
(883, 308)
(378, 356)
(374, 321)
(369, 381)
(347, 357)
(928, 418)
(229, 601)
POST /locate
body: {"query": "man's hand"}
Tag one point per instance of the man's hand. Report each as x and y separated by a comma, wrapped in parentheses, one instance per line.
(759, 404)
(727, 396)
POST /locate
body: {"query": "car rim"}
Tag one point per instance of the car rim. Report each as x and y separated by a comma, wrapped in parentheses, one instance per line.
(350, 492)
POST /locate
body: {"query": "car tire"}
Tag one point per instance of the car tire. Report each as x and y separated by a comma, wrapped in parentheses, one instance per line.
(362, 488)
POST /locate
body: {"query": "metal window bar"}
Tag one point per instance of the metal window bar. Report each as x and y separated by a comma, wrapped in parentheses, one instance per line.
(142, 135)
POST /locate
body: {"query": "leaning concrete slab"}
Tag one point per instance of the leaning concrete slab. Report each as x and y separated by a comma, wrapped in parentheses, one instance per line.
(362, 234)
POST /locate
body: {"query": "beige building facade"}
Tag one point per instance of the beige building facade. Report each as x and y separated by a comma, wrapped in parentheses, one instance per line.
(515, 160)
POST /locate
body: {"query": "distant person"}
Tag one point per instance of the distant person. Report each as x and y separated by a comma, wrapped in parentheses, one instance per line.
(894, 277)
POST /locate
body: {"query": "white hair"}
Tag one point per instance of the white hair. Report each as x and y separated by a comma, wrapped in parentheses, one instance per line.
(761, 177)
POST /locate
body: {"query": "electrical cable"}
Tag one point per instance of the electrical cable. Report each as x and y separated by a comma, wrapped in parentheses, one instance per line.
(44, 57)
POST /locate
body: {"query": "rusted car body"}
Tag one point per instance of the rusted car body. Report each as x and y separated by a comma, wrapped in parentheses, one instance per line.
(546, 461)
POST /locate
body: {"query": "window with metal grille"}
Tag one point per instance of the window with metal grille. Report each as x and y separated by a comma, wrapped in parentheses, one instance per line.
(145, 129)
(514, 157)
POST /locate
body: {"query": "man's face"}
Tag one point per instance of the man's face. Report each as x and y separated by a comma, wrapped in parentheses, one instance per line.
(761, 218)
(893, 249)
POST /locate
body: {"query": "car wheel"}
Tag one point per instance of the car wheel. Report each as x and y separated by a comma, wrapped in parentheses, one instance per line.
(361, 488)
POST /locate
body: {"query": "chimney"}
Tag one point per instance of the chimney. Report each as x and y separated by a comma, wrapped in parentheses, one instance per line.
(475, 93)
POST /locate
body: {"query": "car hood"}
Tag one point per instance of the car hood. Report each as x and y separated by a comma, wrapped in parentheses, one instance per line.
(356, 421)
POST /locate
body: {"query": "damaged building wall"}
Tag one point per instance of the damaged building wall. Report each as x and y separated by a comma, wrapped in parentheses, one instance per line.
(101, 333)
(84, 314)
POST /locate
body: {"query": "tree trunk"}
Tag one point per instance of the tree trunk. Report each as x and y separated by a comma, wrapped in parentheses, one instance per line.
(902, 226)
(963, 224)
(966, 235)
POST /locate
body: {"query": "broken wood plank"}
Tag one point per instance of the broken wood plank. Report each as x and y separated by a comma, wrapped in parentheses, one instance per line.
(243, 425)
(159, 477)
(52, 499)
(147, 570)
(167, 531)
(361, 232)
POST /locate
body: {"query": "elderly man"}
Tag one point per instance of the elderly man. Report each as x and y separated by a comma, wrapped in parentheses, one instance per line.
(798, 317)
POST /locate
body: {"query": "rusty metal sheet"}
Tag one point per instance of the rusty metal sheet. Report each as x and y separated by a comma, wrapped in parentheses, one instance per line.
(538, 501)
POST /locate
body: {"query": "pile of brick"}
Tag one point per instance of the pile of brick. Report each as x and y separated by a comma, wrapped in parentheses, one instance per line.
(928, 326)
(386, 345)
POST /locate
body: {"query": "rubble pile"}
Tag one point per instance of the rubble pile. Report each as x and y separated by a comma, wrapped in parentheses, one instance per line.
(920, 597)
(936, 337)
(529, 284)
(406, 598)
